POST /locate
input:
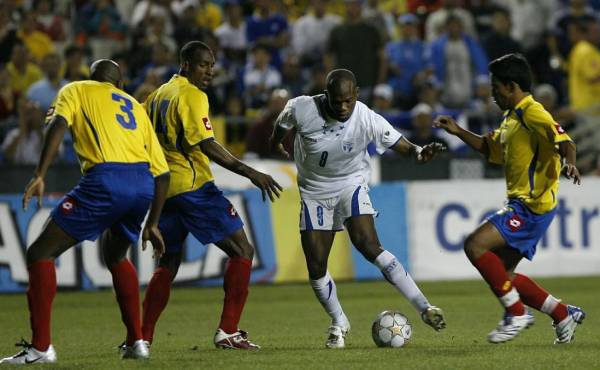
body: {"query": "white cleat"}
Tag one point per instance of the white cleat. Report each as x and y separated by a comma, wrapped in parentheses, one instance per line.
(30, 355)
(565, 330)
(140, 350)
(434, 317)
(337, 337)
(510, 326)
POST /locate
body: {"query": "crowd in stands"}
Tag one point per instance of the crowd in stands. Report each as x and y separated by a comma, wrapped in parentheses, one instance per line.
(413, 59)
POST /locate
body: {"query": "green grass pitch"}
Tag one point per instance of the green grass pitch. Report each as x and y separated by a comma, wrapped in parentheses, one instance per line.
(290, 325)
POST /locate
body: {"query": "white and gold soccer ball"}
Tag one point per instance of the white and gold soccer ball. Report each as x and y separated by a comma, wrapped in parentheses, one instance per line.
(391, 329)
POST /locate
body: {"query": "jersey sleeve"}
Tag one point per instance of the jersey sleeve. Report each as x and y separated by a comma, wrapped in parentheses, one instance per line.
(384, 134)
(65, 104)
(193, 114)
(158, 163)
(287, 117)
(147, 104)
(494, 145)
(541, 121)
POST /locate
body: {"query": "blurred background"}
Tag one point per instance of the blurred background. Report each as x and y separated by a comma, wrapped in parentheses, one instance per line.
(414, 59)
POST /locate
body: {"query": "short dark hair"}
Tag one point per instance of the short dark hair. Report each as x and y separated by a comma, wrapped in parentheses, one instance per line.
(512, 68)
(188, 50)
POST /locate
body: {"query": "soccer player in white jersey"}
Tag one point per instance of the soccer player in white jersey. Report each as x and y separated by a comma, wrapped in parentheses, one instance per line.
(330, 151)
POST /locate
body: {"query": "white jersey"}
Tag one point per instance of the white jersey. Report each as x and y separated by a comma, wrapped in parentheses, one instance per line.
(332, 155)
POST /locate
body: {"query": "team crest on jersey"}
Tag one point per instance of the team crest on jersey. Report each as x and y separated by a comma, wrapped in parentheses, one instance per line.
(232, 212)
(559, 128)
(515, 223)
(68, 206)
(347, 146)
(207, 123)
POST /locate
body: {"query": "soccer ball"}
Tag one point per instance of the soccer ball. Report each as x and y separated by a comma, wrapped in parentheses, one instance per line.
(391, 329)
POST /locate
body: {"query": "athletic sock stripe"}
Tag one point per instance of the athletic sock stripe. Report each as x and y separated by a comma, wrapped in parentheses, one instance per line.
(510, 298)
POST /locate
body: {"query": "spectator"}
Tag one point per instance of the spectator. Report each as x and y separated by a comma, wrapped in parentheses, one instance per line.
(146, 9)
(546, 95)
(499, 42)
(257, 139)
(406, 58)
(559, 41)
(584, 66)
(383, 100)
(529, 20)
(382, 20)
(291, 75)
(311, 31)
(23, 144)
(483, 114)
(74, 69)
(159, 70)
(43, 92)
(422, 129)
(232, 33)
(8, 100)
(436, 23)
(260, 77)
(318, 81)
(483, 13)
(22, 72)
(208, 15)
(268, 28)
(457, 59)
(187, 30)
(100, 18)
(369, 65)
(429, 92)
(38, 43)
(48, 21)
(8, 34)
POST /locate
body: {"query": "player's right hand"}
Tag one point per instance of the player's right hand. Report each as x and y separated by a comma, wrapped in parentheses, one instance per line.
(278, 149)
(266, 184)
(447, 123)
(152, 233)
(36, 188)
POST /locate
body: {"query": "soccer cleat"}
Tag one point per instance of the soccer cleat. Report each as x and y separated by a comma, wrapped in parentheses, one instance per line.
(337, 337)
(237, 340)
(434, 317)
(30, 355)
(140, 350)
(510, 326)
(565, 330)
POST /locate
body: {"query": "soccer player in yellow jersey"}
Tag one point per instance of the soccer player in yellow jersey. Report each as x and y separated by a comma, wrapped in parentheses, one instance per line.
(530, 144)
(124, 174)
(179, 113)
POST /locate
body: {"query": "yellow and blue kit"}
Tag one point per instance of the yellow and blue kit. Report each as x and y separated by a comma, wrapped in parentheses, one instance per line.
(526, 143)
(119, 156)
(179, 112)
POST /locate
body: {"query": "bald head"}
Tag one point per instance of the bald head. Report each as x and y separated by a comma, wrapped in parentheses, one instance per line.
(106, 70)
(341, 93)
(340, 79)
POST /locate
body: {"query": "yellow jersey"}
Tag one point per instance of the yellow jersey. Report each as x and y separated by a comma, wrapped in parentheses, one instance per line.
(584, 75)
(179, 112)
(526, 143)
(107, 125)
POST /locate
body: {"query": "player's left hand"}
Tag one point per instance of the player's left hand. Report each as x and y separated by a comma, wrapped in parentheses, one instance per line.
(429, 151)
(266, 184)
(571, 172)
(36, 188)
(152, 233)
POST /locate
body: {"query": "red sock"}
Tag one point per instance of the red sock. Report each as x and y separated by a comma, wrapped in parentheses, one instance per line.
(493, 272)
(235, 284)
(40, 294)
(127, 289)
(537, 297)
(155, 300)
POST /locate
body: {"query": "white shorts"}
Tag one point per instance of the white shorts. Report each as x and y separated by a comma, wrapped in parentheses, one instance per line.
(331, 213)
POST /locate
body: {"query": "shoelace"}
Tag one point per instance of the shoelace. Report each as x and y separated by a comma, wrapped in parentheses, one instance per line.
(26, 347)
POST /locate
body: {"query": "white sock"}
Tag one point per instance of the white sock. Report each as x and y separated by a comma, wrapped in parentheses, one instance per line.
(550, 304)
(326, 293)
(395, 273)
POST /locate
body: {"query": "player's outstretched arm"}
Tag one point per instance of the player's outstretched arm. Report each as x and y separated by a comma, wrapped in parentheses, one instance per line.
(52, 141)
(151, 232)
(275, 145)
(473, 140)
(421, 154)
(215, 152)
(568, 151)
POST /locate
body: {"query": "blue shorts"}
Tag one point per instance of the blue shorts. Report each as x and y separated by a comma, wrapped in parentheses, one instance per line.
(204, 212)
(109, 195)
(521, 228)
